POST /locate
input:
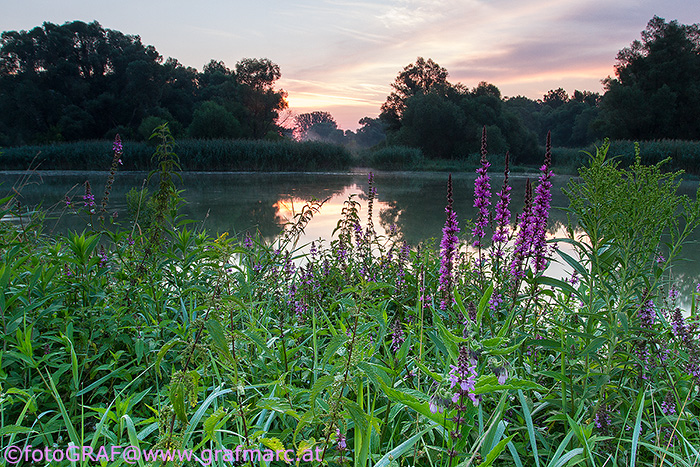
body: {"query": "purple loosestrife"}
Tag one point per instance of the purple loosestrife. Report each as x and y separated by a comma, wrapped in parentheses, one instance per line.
(523, 240)
(372, 193)
(89, 198)
(647, 315)
(464, 375)
(482, 194)
(500, 234)
(540, 209)
(448, 250)
(116, 161)
(397, 336)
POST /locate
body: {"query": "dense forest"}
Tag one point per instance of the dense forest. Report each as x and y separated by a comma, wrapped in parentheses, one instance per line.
(80, 81)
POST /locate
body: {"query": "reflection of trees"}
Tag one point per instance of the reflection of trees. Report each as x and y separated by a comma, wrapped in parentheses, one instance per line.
(417, 203)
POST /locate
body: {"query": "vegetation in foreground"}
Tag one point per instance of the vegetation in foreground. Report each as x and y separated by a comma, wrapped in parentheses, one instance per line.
(160, 335)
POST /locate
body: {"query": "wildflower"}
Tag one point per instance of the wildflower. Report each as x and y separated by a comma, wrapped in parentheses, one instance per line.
(602, 419)
(393, 230)
(438, 404)
(482, 194)
(647, 315)
(448, 250)
(464, 375)
(103, 257)
(523, 241)
(88, 198)
(495, 301)
(397, 336)
(68, 201)
(117, 146)
(668, 406)
(659, 258)
(500, 234)
(342, 445)
(247, 241)
(313, 250)
(372, 193)
(574, 280)
(540, 208)
(674, 293)
(501, 374)
(358, 234)
(116, 160)
(471, 311)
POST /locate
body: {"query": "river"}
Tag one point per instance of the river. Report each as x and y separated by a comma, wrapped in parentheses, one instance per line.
(240, 202)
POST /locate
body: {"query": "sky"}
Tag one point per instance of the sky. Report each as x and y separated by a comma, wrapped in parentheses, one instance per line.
(341, 56)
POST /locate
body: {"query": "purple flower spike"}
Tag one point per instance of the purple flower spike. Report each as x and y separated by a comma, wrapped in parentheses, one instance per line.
(500, 235)
(117, 146)
(448, 250)
(523, 241)
(540, 208)
(482, 194)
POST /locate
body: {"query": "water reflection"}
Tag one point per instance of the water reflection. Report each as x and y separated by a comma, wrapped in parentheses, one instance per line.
(236, 203)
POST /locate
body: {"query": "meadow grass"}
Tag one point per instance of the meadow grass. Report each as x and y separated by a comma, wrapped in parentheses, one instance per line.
(195, 155)
(373, 351)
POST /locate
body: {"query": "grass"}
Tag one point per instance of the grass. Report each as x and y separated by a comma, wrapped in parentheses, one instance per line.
(195, 155)
(171, 337)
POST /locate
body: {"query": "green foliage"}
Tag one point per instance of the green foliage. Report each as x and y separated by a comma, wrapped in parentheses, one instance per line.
(210, 155)
(80, 81)
(655, 94)
(211, 341)
(395, 158)
(445, 120)
(680, 155)
(212, 121)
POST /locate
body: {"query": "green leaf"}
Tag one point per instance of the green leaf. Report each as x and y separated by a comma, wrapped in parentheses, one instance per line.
(422, 408)
(358, 415)
(216, 331)
(332, 347)
(482, 305)
(10, 429)
(636, 429)
(322, 383)
(496, 451)
(213, 420)
(177, 399)
(489, 383)
(530, 426)
(399, 450)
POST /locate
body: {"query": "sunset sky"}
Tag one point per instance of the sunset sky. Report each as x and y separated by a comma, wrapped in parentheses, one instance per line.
(341, 56)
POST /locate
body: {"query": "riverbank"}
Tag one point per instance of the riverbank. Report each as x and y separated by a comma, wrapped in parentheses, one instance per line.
(291, 156)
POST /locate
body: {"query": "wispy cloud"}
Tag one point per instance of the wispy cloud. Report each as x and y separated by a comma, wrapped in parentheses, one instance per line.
(343, 55)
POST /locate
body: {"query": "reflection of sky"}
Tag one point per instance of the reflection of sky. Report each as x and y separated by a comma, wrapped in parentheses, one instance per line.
(265, 202)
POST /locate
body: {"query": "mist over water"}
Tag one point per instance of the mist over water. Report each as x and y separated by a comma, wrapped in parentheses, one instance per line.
(250, 202)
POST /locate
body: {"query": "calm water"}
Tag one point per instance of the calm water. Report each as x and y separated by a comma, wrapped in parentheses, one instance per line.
(235, 202)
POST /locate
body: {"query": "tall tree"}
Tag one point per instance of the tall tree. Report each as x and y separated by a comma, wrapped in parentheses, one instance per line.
(303, 122)
(656, 93)
(257, 77)
(417, 78)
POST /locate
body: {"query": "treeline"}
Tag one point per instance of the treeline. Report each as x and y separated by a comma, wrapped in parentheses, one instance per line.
(655, 95)
(80, 81)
